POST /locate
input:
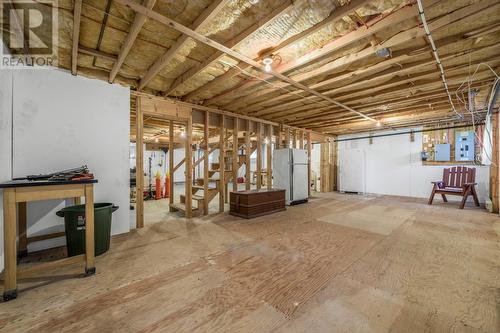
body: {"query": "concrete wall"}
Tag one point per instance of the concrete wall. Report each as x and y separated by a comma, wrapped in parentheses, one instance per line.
(62, 121)
(393, 167)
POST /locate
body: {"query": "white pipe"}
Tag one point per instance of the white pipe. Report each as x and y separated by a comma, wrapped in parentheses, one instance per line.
(436, 55)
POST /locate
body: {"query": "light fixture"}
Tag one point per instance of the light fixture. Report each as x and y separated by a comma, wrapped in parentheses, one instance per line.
(157, 140)
(267, 61)
(266, 141)
(183, 134)
(379, 123)
(253, 2)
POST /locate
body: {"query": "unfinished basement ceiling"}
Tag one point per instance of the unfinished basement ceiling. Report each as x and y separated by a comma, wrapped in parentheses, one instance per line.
(336, 59)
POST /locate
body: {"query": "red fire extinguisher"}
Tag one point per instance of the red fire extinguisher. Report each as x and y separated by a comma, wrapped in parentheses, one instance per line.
(167, 186)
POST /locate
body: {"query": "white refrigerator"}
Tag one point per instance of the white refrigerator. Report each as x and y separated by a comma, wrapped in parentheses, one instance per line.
(290, 174)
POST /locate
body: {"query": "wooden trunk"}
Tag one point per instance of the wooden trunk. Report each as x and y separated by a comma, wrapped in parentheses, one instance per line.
(253, 203)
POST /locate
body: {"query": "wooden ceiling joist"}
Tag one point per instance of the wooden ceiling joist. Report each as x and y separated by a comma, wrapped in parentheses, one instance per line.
(136, 27)
(477, 10)
(337, 14)
(233, 43)
(202, 21)
(191, 33)
(77, 13)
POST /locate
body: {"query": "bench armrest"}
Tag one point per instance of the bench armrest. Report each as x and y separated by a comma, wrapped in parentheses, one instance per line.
(439, 184)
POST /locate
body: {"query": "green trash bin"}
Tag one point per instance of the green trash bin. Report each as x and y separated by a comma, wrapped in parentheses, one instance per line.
(74, 223)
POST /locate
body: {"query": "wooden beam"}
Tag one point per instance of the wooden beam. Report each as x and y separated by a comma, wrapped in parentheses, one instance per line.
(287, 138)
(139, 165)
(494, 179)
(259, 155)
(309, 158)
(77, 13)
(135, 28)
(233, 43)
(189, 169)
(269, 157)
(248, 152)
(96, 53)
(205, 161)
(222, 164)
(195, 35)
(178, 165)
(337, 14)
(236, 165)
(201, 22)
(171, 162)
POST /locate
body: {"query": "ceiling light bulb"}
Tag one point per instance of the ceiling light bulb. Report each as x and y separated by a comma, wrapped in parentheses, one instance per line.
(379, 123)
(267, 67)
(157, 140)
(183, 134)
(266, 141)
(254, 2)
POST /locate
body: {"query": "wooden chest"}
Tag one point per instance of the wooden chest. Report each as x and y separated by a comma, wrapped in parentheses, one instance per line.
(253, 203)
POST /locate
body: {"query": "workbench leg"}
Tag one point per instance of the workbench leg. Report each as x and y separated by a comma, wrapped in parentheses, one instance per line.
(23, 238)
(89, 230)
(9, 234)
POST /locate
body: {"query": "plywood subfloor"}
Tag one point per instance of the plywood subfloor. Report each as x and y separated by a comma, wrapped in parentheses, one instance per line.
(338, 264)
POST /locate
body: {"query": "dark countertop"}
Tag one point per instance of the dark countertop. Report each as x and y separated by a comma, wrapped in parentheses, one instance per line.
(27, 183)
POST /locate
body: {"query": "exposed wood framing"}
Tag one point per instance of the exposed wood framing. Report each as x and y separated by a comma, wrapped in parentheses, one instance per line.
(136, 27)
(309, 158)
(195, 35)
(202, 21)
(189, 169)
(333, 165)
(324, 167)
(139, 166)
(248, 152)
(205, 161)
(77, 13)
(337, 14)
(494, 185)
(222, 164)
(233, 43)
(269, 156)
(171, 171)
(235, 161)
(259, 155)
(287, 138)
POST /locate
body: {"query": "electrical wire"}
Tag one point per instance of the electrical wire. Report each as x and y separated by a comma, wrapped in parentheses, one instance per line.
(436, 56)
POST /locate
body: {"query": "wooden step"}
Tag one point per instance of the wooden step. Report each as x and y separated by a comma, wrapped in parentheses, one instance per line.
(193, 196)
(182, 207)
(201, 187)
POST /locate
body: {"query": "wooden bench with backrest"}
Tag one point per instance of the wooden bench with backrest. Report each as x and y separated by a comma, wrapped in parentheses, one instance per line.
(456, 181)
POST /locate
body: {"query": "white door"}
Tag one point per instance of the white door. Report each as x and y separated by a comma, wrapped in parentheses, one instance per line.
(352, 170)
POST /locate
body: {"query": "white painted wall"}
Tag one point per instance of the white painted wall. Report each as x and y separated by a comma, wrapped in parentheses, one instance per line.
(62, 121)
(393, 167)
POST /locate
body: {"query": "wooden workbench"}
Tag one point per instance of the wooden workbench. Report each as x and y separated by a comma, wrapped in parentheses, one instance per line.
(18, 193)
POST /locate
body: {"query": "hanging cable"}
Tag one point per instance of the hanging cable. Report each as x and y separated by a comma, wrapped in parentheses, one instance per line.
(436, 56)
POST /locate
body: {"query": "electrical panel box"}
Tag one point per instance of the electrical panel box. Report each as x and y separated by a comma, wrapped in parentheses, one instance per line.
(442, 152)
(464, 146)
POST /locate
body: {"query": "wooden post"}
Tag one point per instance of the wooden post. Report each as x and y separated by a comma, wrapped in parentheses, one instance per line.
(23, 238)
(189, 168)
(294, 138)
(171, 163)
(89, 229)
(259, 155)
(139, 165)
(287, 138)
(205, 162)
(269, 157)
(248, 152)
(235, 166)
(222, 166)
(301, 140)
(309, 158)
(332, 166)
(494, 162)
(324, 169)
(9, 243)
